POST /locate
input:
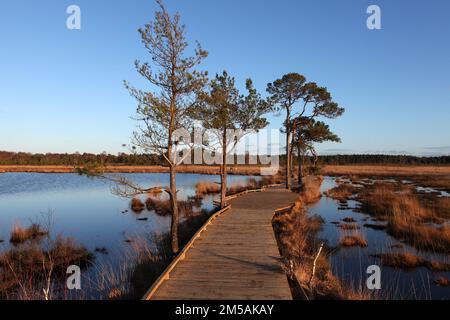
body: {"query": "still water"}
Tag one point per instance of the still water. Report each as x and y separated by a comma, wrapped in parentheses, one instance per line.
(350, 264)
(85, 208)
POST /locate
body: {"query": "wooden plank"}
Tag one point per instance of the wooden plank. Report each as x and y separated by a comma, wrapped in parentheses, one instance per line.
(174, 293)
(234, 285)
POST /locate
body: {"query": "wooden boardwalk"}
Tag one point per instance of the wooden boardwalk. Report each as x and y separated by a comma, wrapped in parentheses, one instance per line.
(236, 257)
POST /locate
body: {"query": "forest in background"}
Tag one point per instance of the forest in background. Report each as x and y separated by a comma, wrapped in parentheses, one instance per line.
(77, 159)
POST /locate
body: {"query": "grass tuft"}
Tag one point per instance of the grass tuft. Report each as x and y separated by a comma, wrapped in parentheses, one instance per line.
(353, 241)
(20, 235)
(137, 205)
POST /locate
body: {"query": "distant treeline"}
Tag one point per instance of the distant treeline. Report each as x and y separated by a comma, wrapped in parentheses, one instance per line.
(76, 159)
(383, 159)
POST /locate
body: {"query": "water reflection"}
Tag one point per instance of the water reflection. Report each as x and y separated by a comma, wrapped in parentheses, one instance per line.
(350, 264)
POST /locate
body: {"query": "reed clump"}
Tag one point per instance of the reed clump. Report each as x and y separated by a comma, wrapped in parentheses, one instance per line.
(163, 207)
(20, 235)
(310, 189)
(204, 188)
(349, 226)
(145, 260)
(26, 269)
(353, 241)
(342, 192)
(409, 261)
(442, 282)
(137, 205)
(407, 218)
(297, 239)
(375, 226)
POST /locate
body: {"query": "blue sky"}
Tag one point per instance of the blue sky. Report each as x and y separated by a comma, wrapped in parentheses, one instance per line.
(62, 90)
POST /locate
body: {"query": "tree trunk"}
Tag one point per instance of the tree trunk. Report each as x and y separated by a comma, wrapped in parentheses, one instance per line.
(223, 173)
(300, 167)
(288, 151)
(315, 158)
(174, 205)
(292, 155)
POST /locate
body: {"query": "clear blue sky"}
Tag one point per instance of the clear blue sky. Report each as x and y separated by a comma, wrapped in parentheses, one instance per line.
(62, 91)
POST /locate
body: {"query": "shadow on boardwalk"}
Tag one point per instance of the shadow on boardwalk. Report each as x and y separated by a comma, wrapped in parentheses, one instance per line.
(237, 257)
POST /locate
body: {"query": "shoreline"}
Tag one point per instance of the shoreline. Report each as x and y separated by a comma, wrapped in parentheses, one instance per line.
(194, 169)
(386, 170)
(328, 170)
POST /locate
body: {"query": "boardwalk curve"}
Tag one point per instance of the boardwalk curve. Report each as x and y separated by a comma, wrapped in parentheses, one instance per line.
(235, 257)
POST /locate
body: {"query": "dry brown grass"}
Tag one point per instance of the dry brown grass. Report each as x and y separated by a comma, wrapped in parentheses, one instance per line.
(442, 282)
(24, 270)
(310, 190)
(296, 234)
(20, 235)
(411, 216)
(407, 218)
(342, 192)
(160, 207)
(400, 260)
(353, 241)
(441, 206)
(409, 261)
(422, 237)
(382, 201)
(351, 226)
(437, 266)
(147, 263)
(375, 226)
(253, 170)
(297, 239)
(137, 205)
(163, 207)
(203, 188)
(439, 182)
(274, 179)
(144, 259)
(386, 171)
(251, 184)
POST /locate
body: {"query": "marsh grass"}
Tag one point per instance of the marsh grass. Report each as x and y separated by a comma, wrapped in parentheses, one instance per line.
(407, 218)
(297, 239)
(353, 241)
(204, 188)
(137, 205)
(163, 207)
(441, 205)
(375, 226)
(439, 182)
(416, 218)
(409, 261)
(27, 269)
(160, 207)
(342, 192)
(442, 282)
(20, 235)
(441, 174)
(352, 226)
(310, 189)
(146, 259)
